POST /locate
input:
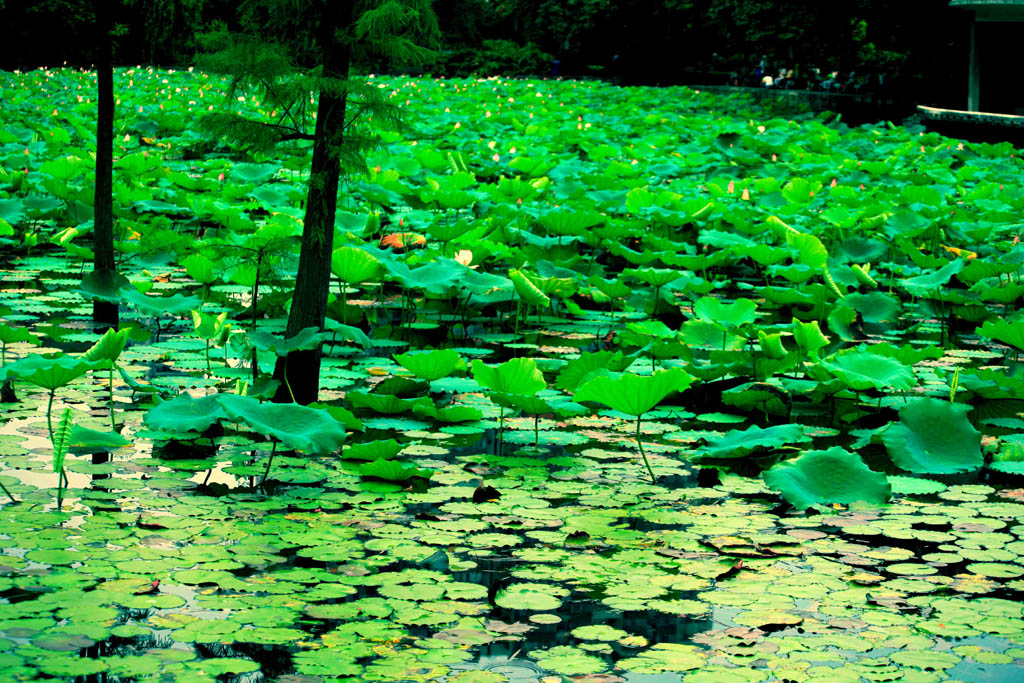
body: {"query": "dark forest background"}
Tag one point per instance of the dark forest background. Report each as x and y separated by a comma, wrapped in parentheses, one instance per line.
(913, 49)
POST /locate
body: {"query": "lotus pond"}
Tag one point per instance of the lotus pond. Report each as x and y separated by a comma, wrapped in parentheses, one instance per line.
(636, 385)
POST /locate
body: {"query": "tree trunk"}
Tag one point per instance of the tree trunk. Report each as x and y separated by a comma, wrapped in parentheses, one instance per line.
(299, 371)
(104, 313)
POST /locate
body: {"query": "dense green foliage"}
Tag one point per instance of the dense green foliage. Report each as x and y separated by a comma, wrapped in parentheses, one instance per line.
(641, 381)
(920, 46)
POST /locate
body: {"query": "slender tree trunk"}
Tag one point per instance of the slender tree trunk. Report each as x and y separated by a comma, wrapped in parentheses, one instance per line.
(299, 371)
(104, 268)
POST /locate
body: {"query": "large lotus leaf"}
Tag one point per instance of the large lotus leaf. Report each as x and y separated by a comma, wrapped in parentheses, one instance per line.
(447, 414)
(810, 251)
(104, 286)
(1011, 333)
(876, 307)
(50, 370)
(712, 310)
(929, 283)
(385, 404)
(579, 369)
(633, 394)
(536, 405)
(737, 444)
(934, 437)
(431, 365)
(63, 168)
(306, 339)
(528, 290)
(296, 426)
(655, 277)
(12, 210)
(348, 333)
(809, 336)
(353, 265)
(157, 206)
(13, 335)
(456, 414)
(516, 376)
(391, 470)
(208, 326)
(88, 440)
(826, 477)
(641, 333)
(565, 221)
(185, 414)
(200, 268)
(156, 306)
(373, 450)
(108, 348)
(342, 415)
(860, 369)
(253, 173)
(436, 277)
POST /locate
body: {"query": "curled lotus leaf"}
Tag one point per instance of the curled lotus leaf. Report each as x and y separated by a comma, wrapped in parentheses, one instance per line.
(296, 426)
(737, 444)
(934, 437)
(391, 470)
(825, 477)
(860, 370)
(353, 265)
(185, 414)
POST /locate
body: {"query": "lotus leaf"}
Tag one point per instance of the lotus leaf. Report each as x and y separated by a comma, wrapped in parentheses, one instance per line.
(13, 335)
(712, 310)
(528, 290)
(541, 597)
(373, 450)
(929, 283)
(304, 340)
(299, 427)
(860, 369)
(157, 306)
(353, 265)
(200, 268)
(633, 394)
(577, 371)
(386, 404)
(391, 470)
(108, 348)
(933, 437)
(432, 364)
(737, 444)
(825, 477)
(810, 251)
(1011, 333)
(93, 441)
(184, 414)
(50, 370)
(516, 376)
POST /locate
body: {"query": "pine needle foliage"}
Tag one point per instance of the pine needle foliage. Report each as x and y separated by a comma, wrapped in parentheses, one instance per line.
(274, 54)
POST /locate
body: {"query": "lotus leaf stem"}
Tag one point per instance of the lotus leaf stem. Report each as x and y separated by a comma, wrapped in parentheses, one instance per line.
(8, 493)
(270, 460)
(49, 412)
(110, 392)
(640, 445)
